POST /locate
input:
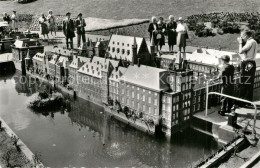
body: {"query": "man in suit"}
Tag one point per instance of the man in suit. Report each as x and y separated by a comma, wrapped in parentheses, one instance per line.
(227, 76)
(68, 30)
(80, 26)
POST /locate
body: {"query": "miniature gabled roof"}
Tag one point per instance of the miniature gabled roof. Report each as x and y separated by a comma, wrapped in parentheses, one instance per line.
(62, 61)
(61, 51)
(91, 69)
(20, 43)
(202, 56)
(117, 73)
(120, 43)
(39, 57)
(54, 59)
(145, 76)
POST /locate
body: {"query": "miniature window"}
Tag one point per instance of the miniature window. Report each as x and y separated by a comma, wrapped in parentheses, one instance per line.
(123, 44)
(113, 49)
(116, 76)
(128, 52)
(83, 68)
(113, 42)
(123, 51)
(127, 45)
(117, 43)
(118, 50)
(108, 48)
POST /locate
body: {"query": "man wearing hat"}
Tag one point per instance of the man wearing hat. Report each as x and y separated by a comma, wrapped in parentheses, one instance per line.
(80, 25)
(227, 76)
(68, 30)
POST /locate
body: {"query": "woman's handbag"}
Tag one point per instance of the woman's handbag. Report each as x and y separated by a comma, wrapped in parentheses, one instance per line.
(158, 36)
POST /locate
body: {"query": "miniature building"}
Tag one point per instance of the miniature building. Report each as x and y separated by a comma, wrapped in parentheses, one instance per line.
(75, 65)
(90, 49)
(198, 61)
(176, 102)
(114, 83)
(108, 66)
(40, 62)
(141, 89)
(129, 48)
(23, 47)
(52, 65)
(62, 72)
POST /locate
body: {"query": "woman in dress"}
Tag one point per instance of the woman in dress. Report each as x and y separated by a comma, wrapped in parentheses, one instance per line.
(152, 29)
(160, 33)
(182, 31)
(14, 21)
(44, 26)
(171, 30)
(52, 22)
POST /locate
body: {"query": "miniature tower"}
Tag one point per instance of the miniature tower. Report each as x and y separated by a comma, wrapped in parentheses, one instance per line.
(134, 51)
(152, 50)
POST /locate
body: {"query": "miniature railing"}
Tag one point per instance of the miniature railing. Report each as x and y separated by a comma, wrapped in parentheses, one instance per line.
(231, 97)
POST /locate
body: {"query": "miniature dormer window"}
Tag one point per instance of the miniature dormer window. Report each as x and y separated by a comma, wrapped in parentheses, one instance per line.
(128, 52)
(118, 50)
(93, 71)
(108, 48)
(87, 66)
(97, 69)
(98, 73)
(113, 49)
(83, 68)
(123, 51)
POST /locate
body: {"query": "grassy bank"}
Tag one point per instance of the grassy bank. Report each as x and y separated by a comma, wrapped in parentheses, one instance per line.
(9, 156)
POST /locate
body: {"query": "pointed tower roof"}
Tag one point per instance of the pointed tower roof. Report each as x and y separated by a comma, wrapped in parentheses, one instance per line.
(135, 43)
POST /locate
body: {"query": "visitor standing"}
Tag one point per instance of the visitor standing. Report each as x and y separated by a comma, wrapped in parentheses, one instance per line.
(248, 65)
(227, 76)
(161, 33)
(171, 31)
(152, 29)
(52, 22)
(44, 26)
(14, 19)
(182, 31)
(7, 19)
(80, 26)
(68, 30)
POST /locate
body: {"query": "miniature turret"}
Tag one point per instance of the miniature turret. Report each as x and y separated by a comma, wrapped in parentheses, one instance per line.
(134, 50)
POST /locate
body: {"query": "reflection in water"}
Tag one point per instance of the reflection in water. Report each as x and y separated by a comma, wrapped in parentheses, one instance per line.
(86, 136)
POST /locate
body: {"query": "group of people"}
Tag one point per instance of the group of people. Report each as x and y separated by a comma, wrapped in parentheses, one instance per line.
(11, 20)
(48, 24)
(248, 48)
(176, 31)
